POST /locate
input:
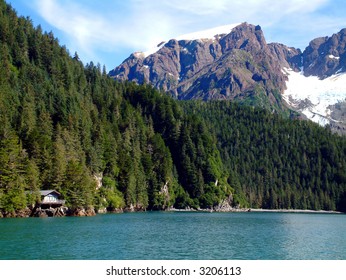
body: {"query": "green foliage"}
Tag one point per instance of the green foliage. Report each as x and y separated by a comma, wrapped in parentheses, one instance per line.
(113, 198)
(12, 172)
(78, 186)
(273, 162)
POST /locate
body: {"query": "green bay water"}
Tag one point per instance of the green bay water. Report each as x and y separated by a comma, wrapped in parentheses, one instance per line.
(176, 236)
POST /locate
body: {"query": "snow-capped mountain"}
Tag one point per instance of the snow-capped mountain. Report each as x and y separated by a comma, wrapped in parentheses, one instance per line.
(318, 90)
(235, 65)
(234, 62)
(208, 34)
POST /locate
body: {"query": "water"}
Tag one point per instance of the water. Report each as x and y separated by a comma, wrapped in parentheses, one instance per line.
(182, 235)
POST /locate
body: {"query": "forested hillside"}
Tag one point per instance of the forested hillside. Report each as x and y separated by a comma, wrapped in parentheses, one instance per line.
(64, 124)
(275, 162)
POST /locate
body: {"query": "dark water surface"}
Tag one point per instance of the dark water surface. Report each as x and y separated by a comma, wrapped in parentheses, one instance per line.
(176, 235)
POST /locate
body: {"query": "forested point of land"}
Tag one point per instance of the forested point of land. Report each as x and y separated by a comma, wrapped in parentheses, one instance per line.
(63, 124)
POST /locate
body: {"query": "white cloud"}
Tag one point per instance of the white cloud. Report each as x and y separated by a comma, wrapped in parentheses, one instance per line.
(193, 15)
(145, 23)
(198, 7)
(84, 28)
(92, 30)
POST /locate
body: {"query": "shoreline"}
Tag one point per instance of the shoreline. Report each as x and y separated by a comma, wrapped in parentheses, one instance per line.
(257, 210)
(260, 210)
(84, 212)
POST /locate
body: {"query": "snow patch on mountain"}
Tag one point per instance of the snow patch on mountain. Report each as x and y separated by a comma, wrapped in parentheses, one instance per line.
(152, 50)
(312, 96)
(207, 34)
(333, 57)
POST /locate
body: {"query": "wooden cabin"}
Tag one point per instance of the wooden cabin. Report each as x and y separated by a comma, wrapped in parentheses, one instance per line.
(51, 198)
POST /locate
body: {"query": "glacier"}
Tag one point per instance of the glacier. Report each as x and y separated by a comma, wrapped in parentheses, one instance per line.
(313, 96)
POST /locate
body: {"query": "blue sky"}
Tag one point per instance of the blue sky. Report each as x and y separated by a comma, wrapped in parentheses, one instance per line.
(108, 31)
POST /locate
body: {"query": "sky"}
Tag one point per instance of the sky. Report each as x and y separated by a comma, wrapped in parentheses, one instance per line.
(108, 31)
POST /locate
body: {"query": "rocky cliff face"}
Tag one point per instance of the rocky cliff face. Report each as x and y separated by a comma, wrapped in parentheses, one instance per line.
(240, 65)
(325, 56)
(236, 65)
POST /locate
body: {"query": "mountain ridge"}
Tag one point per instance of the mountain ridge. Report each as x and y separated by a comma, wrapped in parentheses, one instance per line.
(179, 64)
(240, 66)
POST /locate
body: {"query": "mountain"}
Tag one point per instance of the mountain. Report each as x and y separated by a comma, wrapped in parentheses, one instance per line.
(318, 91)
(238, 64)
(325, 56)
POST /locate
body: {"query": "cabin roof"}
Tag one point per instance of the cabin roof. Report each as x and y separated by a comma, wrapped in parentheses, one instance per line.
(47, 192)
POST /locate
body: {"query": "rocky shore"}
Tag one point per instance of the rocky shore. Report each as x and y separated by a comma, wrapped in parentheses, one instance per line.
(49, 212)
(82, 212)
(223, 206)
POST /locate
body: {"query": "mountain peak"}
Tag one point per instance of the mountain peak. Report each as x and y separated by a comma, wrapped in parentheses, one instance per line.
(326, 56)
(234, 62)
(206, 34)
(235, 55)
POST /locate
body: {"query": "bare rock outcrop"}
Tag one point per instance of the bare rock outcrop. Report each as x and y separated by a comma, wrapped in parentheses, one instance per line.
(231, 66)
(326, 56)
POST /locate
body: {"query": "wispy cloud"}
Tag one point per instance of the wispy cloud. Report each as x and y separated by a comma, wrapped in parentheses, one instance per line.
(138, 24)
(84, 28)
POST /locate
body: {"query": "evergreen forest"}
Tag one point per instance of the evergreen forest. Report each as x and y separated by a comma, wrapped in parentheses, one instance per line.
(67, 126)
